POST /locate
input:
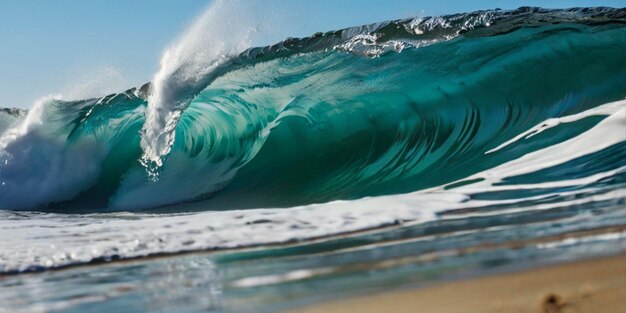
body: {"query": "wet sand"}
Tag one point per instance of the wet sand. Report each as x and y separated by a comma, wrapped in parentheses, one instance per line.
(585, 286)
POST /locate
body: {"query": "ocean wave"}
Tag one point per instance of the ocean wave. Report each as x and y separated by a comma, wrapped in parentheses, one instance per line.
(381, 109)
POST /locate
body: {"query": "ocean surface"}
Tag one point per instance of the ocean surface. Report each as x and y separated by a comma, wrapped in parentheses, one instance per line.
(367, 159)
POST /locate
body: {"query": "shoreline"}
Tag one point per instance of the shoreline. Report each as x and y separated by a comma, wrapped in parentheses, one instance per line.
(596, 285)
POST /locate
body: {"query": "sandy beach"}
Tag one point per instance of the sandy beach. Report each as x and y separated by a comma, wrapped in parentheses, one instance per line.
(597, 285)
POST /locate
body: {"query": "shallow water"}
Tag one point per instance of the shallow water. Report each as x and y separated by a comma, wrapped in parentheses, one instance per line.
(384, 156)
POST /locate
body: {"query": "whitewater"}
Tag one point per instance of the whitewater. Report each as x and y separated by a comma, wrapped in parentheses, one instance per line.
(423, 146)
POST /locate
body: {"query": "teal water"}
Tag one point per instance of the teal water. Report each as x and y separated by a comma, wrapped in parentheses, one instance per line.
(376, 157)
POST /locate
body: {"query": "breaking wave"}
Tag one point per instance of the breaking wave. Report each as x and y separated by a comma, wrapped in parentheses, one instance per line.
(381, 109)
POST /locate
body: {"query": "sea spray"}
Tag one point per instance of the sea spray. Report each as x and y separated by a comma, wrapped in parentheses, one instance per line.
(225, 29)
(37, 165)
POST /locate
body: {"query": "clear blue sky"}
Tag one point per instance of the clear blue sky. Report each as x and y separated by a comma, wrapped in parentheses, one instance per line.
(75, 47)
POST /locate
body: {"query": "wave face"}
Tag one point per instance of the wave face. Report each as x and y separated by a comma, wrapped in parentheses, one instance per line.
(381, 109)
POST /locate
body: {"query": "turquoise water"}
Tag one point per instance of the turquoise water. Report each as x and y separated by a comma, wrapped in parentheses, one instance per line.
(377, 157)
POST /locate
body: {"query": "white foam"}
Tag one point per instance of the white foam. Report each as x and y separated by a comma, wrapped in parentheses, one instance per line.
(608, 132)
(606, 109)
